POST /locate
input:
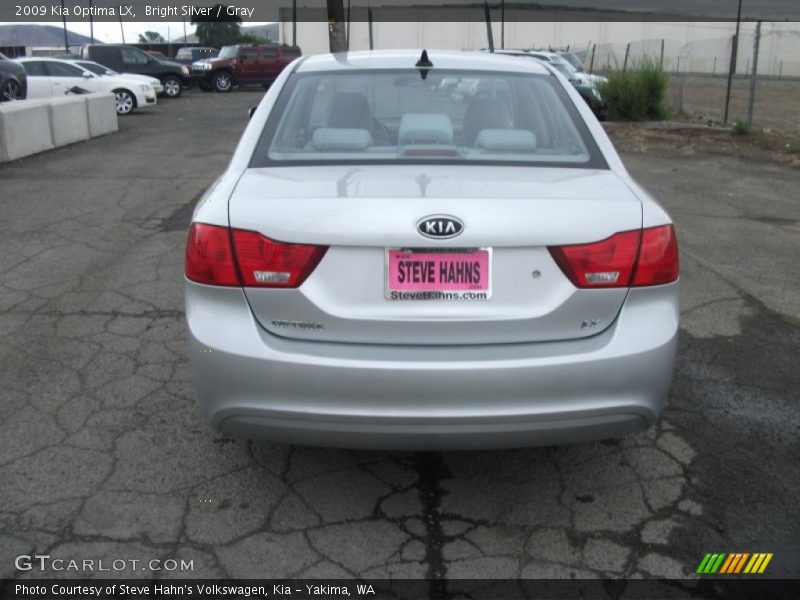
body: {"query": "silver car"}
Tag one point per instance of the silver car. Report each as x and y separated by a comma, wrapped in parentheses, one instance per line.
(429, 251)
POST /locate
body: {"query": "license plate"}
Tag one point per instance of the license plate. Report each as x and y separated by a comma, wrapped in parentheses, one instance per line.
(447, 274)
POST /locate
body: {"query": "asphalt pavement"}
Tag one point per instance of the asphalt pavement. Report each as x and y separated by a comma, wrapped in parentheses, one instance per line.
(103, 454)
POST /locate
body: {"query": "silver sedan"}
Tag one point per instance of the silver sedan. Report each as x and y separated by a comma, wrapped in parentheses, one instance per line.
(429, 250)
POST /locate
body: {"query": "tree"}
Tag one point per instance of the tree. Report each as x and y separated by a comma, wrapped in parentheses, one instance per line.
(150, 37)
(213, 31)
(249, 38)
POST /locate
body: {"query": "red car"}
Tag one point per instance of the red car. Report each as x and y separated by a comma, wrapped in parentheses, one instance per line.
(243, 64)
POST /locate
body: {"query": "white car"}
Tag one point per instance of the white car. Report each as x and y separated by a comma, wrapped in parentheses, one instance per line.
(99, 69)
(49, 77)
(388, 264)
(565, 67)
(569, 70)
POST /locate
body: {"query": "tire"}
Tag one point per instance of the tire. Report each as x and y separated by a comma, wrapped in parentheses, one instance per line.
(126, 102)
(222, 82)
(11, 90)
(173, 86)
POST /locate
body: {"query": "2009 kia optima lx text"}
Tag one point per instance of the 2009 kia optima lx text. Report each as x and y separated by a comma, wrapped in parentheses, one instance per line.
(429, 251)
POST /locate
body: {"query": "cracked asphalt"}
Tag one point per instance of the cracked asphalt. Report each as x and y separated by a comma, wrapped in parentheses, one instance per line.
(103, 454)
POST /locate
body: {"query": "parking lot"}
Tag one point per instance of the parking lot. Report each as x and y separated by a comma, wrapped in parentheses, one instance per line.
(103, 454)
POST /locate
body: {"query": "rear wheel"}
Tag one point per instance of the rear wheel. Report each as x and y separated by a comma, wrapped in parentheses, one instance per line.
(222, 81)
(173, 86)
(11, 90)
(126, 102)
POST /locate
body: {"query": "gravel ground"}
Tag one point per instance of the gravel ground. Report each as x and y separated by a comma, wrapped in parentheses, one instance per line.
(103, 454)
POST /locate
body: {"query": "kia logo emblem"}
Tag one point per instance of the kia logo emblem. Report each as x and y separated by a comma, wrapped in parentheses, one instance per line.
(440, 227)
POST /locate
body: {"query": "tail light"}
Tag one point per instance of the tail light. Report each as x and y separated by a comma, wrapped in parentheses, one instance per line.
(631, 258)
(209, 258)
(658, 257)
(235, 257)
(266, 263)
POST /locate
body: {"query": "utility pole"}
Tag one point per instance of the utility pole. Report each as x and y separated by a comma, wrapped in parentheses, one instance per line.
(369, 22)
(488, 18)
(661, 59)
(91, 22)
(732, 69)
(336, 22)
(347, 35)
(627, 52)
(64, 19)
(591, 62)
(294, 22)
(503, 24)
(754, 73)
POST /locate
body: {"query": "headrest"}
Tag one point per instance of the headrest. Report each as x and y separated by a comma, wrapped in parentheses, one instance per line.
(327, 138)
(418, 128)
(506, 140)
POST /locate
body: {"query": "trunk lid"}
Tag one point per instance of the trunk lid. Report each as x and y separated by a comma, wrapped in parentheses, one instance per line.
(360, 212)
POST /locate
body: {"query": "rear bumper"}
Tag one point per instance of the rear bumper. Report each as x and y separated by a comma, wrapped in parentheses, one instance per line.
(250, 383)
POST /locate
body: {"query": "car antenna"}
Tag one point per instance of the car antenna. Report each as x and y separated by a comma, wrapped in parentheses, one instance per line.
(424, 64)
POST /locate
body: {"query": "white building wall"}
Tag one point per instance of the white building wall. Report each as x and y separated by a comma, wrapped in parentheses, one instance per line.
(689, 46)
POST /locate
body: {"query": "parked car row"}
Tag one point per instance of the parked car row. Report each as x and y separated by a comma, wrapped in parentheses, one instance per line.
(585, 83)
(48, 77)
(127, 59)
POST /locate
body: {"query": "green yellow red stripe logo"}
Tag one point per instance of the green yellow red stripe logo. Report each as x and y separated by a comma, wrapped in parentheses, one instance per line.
(733, 563)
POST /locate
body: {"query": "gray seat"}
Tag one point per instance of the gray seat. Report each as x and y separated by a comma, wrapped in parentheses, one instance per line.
(421, 128)
(350, 110)
(484, 113)
(506, 140)
(341, 140)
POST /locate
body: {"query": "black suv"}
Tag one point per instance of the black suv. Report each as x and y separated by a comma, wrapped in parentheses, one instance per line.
(13, 81)
(128, 59)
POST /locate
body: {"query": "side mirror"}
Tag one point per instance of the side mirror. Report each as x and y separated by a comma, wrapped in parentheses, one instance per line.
(251, 111)
(87, 75)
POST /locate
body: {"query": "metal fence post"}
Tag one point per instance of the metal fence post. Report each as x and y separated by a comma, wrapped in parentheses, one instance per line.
(661, 60)
(754, 74)
(627, 52)
(731, 69)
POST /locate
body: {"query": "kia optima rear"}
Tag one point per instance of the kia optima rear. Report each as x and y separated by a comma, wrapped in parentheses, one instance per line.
(436, 250)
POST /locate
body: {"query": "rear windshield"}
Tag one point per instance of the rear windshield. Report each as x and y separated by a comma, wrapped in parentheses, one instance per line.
(396, 116)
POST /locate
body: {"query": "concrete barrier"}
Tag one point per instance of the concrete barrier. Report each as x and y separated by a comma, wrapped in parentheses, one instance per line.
(24, 129)
(102, 112)
(31, 126)
(69, 122)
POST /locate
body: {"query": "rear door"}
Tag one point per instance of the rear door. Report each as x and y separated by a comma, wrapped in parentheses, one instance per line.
(39, 85)
(110, 57)
(249, 65)
(69, 79)
(270, 63)
(135, 61)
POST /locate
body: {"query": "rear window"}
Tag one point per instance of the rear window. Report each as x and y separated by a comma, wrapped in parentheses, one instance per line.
(395, 116)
